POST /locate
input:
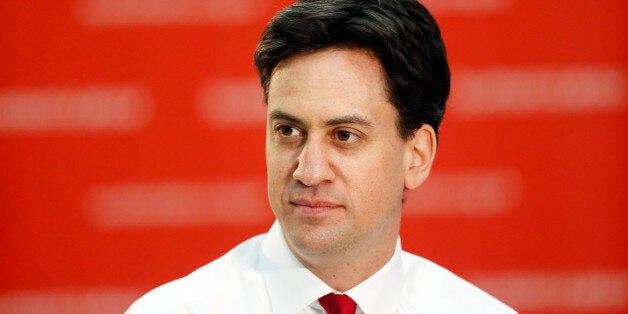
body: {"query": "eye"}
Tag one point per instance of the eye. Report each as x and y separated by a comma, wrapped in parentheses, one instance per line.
(346, 136)
(287, 130)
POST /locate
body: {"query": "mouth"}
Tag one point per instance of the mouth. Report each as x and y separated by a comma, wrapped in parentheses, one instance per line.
(309, 207)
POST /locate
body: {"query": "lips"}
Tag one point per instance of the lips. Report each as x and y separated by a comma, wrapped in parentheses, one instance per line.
(313, 206)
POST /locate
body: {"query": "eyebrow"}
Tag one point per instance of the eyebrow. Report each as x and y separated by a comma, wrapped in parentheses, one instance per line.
(281, 115)
(348, 119)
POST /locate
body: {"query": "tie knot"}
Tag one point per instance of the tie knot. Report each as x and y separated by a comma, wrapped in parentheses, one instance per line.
(337, 304)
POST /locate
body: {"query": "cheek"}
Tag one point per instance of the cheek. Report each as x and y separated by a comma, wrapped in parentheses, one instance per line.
(278, 173)
(274, 169)
(377, 180)
(275, 187)
(277, 163)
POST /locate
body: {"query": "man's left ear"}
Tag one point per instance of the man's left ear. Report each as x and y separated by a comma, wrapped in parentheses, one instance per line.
(421, 152)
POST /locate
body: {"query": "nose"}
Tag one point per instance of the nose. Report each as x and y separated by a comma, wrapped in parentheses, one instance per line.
(313, 164)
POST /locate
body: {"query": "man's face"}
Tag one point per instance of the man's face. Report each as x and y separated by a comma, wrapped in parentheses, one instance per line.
(336, 162)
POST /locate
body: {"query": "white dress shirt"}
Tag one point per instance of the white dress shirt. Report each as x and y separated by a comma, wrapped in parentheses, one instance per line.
(261, 276)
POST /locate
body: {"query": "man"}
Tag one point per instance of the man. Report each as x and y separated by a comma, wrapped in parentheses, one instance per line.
(356, 91)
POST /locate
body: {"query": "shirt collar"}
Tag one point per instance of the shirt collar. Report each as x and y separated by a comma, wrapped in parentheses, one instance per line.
(380, 292)
(292, 287)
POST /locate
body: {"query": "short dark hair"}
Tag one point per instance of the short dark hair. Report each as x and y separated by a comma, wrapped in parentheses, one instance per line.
(402, 33)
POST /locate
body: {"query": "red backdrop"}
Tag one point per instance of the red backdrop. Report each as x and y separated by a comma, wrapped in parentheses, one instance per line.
(131, 150)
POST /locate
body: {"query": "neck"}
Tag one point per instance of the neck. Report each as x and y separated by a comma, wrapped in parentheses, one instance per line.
(345, 270)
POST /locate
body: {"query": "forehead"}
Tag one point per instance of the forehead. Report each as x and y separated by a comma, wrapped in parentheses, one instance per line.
(333, 81)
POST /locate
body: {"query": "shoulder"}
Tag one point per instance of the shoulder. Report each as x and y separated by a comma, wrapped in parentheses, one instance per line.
(218, 282)
(434, 289)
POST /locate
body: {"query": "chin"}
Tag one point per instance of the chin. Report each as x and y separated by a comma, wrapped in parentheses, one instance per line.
(315, 240)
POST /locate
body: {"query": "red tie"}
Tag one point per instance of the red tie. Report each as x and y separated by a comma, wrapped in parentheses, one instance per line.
(337, 304)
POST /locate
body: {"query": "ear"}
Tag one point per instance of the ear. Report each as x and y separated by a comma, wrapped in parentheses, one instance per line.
(421, 153)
